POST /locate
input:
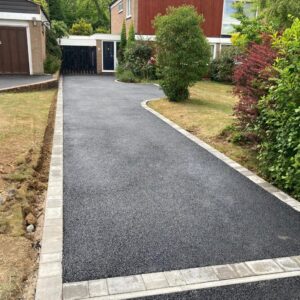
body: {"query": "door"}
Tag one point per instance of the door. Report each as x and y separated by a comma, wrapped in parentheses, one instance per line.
(13, 51)
(79, 60)
(108, 56)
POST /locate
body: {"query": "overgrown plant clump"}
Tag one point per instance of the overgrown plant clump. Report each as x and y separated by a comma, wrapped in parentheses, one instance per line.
(183, 51)
(222, 68)
(53, 60)
(279, 120)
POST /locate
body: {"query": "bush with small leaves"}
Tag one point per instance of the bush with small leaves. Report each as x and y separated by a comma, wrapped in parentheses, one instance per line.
(183, 51)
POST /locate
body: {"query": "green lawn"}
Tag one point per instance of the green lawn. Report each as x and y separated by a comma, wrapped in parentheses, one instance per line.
(206, 114)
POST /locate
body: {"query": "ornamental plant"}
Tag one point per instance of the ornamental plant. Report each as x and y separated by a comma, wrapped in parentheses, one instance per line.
(251, 78)
(123, 43)
(279, 120)
(183, 51)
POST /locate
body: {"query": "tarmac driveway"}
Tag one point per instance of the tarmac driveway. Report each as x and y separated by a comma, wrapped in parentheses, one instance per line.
(9, 81)
(139, 197)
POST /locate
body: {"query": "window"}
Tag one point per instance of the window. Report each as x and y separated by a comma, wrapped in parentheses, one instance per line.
(128, 8)
(229, 20)
(213, 51)
(120, 6)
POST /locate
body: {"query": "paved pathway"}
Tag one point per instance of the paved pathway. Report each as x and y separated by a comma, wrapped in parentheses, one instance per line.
(9, 81)
(139, 197)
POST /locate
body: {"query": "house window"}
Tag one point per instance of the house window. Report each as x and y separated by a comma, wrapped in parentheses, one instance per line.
(120, 6)
(128, 8)
(228, 12)
(213, 51)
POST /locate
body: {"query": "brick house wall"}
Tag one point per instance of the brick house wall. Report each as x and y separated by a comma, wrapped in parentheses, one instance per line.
(38, 46)
(118, 17)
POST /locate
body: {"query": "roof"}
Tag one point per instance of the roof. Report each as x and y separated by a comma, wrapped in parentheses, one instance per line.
(22, 7)
(113, 2)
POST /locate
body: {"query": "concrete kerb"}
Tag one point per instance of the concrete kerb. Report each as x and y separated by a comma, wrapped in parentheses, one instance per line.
(130, 287)
(49, 283)
(288, 200)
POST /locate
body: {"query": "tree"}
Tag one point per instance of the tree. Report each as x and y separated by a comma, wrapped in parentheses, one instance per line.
(59, 28)
(81, 28)
(131, 35)
(55, 10)
(279, 119)
(123, 43)
(44, 5)
(183, 51)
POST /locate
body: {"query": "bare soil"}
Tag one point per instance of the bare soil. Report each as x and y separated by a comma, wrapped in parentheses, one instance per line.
(23, 185)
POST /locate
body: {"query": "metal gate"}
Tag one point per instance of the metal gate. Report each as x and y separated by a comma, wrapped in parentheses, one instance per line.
(79, 60)
(13, 51)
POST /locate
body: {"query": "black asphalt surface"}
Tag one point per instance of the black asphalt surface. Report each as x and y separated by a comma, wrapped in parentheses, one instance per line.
(8, 81)
(281, 289)
(139, 197)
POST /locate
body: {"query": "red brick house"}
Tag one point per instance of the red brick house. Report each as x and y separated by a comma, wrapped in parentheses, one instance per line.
(217, 14)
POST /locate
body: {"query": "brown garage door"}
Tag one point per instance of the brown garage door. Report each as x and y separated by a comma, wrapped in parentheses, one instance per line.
(13, 51)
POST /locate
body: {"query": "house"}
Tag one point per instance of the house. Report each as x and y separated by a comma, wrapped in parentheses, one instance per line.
(217, 14)
(22, 37)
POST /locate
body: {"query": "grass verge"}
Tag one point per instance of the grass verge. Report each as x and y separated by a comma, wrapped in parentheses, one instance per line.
(26, 123)
(206, 114)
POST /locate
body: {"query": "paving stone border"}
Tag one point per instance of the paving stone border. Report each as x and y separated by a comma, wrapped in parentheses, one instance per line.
(130, 287)
(288, 200)
(49, 283)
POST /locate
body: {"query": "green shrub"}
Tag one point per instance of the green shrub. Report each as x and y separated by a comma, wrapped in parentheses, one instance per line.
(125, 75)
(222, 68)
(59, 28)
(51, 64)
(123, 43)
(183, 51)
(131, 36)
(81, 28)
(137, 60)
(53, 51)
(52, 46)
(279, 120)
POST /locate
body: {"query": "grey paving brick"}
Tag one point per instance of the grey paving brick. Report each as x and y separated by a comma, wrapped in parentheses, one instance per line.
(98, 288)
(53, 222)
(49, 288)
(175, 278)
(199, 275)
(287, 264)
(52, 203)
(297, 259)
(127, 284)
(51, 257)
(52, 246)
(267, 266)
(242, 270)
(53, 233)
(51, 269)
(54, 213)
(155, 281)
(225, 272)
(75, 291)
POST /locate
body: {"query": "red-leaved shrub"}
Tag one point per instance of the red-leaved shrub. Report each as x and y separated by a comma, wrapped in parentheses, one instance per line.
(251, 78)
